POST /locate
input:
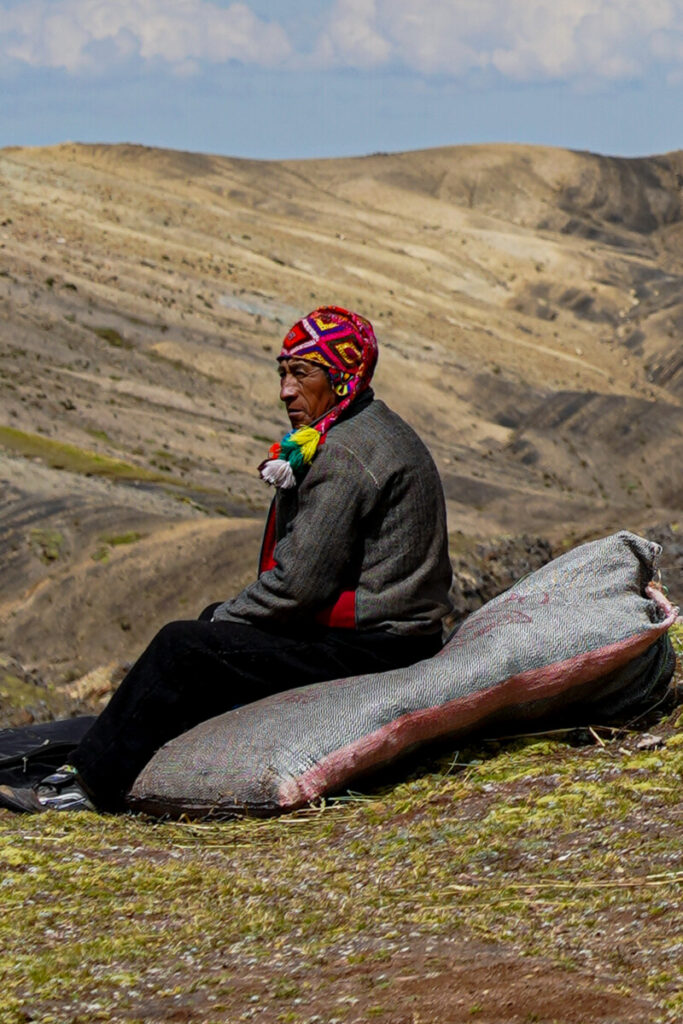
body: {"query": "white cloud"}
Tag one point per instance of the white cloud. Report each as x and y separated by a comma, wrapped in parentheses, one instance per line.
(525, 40)
(351, 38)
(82, 35)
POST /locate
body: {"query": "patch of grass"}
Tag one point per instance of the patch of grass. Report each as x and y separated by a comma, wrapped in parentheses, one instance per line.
(676, 634)
(537, 845)
(16, 693)
(47, 544)
(61, 455)
(111, 336)
(107, 541)
(115, 539)
(572, 854)
(21, 693)
(286, 989)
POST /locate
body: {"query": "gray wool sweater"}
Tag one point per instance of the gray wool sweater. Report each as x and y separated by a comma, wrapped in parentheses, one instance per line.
(368, 519)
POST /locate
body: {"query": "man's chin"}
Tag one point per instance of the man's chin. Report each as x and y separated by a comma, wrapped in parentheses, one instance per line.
(297, 419)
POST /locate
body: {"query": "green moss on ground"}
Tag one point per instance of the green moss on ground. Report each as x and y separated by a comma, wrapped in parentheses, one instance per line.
(47, 544)
(69, 457)
(60, 455)
(23, 698)
(112, 337)
(107, 541)
(572, 854)
(569, 854)
(116, 539)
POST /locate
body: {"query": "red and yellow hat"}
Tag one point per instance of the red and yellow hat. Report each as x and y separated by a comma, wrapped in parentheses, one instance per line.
(345, 345)
(341, 341)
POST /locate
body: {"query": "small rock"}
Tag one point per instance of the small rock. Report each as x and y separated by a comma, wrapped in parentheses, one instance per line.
(100, 682)
(648, 741)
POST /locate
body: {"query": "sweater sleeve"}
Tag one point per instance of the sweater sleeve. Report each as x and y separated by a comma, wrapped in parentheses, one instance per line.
(313, 554)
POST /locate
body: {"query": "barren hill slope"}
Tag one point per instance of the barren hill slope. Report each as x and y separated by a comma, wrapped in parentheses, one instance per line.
(528, 302)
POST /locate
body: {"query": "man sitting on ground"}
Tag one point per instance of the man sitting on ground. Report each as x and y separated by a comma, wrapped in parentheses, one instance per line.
(353, 576)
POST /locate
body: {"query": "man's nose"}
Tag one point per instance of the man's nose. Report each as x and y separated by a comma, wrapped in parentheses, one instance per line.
(288, 387)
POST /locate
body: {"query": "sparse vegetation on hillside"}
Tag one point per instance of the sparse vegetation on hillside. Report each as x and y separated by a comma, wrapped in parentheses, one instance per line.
(59, 455)
(529, 307)
(527, 303)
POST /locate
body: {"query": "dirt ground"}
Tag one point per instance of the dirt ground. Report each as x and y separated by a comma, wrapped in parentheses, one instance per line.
(444, 980)
(528, 305)
(531, 879)
(516, 881)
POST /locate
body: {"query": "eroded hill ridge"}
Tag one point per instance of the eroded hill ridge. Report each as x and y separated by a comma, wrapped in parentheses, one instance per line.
(528, 302)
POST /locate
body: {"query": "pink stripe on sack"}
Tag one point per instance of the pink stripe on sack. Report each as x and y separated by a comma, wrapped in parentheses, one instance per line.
(383, 744)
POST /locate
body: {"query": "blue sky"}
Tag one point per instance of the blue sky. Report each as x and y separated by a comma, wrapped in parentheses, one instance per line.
(300, 78)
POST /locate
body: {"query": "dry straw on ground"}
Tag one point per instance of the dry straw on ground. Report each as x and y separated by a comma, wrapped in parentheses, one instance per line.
(519, 880)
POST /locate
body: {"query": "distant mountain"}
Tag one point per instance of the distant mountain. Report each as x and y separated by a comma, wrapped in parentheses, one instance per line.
(528, 303)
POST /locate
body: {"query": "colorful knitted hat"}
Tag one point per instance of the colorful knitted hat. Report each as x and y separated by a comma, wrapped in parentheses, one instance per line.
(344, 344)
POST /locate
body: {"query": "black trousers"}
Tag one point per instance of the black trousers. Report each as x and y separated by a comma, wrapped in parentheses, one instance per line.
(193, 670)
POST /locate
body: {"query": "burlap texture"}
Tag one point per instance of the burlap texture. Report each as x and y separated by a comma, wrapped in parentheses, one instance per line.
(577, 639)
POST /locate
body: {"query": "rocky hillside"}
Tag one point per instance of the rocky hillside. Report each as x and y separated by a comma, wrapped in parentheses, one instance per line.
(528, 303)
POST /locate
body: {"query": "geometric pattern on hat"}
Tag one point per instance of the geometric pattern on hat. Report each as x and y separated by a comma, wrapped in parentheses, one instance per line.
(335, 337)
(342, 342)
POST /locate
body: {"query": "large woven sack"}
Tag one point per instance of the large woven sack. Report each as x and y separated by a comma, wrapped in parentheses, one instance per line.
(582, 636)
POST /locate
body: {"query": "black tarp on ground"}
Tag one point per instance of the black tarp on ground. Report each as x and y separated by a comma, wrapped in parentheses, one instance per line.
(30, 752)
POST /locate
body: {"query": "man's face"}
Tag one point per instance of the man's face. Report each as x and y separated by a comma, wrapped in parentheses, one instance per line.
(306, 391)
